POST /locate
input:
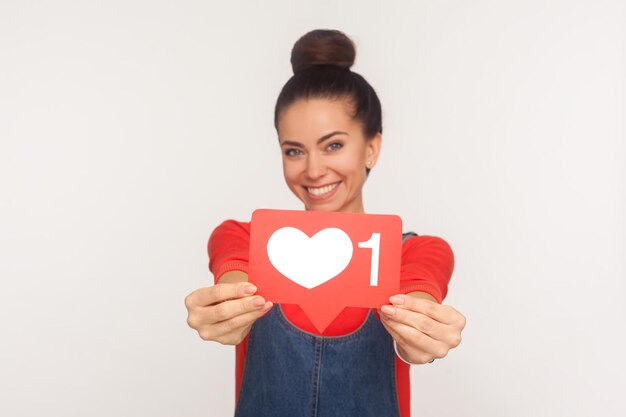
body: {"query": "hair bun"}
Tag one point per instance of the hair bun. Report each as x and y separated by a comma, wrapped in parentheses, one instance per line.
(322, 47)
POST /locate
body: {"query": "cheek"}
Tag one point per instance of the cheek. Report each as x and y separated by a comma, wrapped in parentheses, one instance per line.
(351, 165)
(290, 171)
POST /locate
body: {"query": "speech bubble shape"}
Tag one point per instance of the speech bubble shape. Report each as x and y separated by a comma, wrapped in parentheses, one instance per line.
(325, 261)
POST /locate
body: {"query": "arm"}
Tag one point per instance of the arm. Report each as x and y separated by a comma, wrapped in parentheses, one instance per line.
(226, 311)
(422, 295)
(233, 276)
(421, 327)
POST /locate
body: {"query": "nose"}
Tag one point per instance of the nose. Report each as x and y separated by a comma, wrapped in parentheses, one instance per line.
(315, 166)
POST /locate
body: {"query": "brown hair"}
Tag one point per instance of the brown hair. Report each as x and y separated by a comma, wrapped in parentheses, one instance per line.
(321, 61)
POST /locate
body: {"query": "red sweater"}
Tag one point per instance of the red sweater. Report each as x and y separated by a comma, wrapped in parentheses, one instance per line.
(427, 264)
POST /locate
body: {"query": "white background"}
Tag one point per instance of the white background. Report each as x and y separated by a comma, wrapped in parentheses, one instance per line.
(130, 129)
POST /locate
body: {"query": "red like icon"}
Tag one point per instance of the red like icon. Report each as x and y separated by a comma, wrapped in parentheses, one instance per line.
(325, 261)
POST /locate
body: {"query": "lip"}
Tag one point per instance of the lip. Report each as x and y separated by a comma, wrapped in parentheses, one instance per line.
(320, 186)
(322, 197)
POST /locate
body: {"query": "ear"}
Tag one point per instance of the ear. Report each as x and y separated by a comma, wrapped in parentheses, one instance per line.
(372, 149)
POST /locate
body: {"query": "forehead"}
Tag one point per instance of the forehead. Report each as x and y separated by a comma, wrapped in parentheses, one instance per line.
(313, 118)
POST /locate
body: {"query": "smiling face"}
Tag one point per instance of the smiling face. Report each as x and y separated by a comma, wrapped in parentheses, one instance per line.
(325, 154)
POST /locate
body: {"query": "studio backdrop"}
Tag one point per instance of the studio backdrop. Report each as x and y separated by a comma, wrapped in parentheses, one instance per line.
(130, 129)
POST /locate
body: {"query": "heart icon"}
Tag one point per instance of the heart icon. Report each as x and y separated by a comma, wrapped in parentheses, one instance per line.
(309, 261)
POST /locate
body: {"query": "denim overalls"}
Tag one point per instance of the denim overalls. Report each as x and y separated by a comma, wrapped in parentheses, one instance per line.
(291, 373)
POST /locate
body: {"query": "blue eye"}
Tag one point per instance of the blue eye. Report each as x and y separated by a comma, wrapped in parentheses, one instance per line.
(293, 152)
(335, 146)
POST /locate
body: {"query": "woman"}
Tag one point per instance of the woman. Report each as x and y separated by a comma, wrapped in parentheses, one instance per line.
(329, 126)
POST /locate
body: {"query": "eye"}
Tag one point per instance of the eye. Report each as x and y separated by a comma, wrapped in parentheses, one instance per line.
(335, 146)
(293, 152)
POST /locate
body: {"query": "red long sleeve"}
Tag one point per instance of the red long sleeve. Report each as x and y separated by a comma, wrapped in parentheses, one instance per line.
(427, 264)
(228, 248)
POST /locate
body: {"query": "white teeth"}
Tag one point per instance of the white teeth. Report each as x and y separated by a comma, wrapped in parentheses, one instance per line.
(322, 190)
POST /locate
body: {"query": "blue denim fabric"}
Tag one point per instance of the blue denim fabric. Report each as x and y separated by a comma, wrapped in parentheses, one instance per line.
(291, 373)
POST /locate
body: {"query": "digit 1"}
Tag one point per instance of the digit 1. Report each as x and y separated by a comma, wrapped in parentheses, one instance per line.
(374, 245)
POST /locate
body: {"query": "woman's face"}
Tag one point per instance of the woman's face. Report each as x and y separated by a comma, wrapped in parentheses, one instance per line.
(325, 154)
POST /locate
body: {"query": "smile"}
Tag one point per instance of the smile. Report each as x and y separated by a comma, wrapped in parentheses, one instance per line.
(321, 191)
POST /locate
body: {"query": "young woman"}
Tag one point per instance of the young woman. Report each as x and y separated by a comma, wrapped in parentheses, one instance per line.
(329, 126)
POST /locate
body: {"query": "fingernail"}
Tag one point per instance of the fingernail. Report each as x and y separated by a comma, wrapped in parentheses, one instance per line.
(249, 289)
(267, 306)
(397, 299)
(258, 301)
(388, 310)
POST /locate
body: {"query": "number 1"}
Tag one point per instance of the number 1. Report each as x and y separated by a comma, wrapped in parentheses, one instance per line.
(374, 244)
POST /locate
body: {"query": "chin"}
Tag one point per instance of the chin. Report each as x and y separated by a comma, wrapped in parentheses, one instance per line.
(319, 207)
(329, 206)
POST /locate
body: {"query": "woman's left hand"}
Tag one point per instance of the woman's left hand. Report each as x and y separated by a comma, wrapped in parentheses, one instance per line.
(423, 329)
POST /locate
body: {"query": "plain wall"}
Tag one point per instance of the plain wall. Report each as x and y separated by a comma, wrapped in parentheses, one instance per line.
(130, 129)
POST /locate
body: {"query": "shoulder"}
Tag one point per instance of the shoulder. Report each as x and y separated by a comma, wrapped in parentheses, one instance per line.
(229, 232)
(425, 245)
(232, 226)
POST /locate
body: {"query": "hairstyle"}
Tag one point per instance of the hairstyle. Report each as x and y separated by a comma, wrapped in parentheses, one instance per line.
(321, 61)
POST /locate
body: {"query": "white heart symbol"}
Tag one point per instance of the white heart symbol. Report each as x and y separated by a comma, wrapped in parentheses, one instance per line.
(309, 261)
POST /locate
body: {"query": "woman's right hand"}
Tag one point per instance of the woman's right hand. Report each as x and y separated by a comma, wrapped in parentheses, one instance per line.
(225, 312)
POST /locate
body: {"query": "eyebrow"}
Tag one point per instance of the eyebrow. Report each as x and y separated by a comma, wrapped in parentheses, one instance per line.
(320, 140)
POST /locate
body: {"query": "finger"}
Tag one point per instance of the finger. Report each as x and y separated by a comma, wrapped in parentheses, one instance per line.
(441, 313)
(413, 354)
(226, 310)
(392, 332)
(222, 330)
(421, 347)
(207, 296)
(419, 321)
(408, 335)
